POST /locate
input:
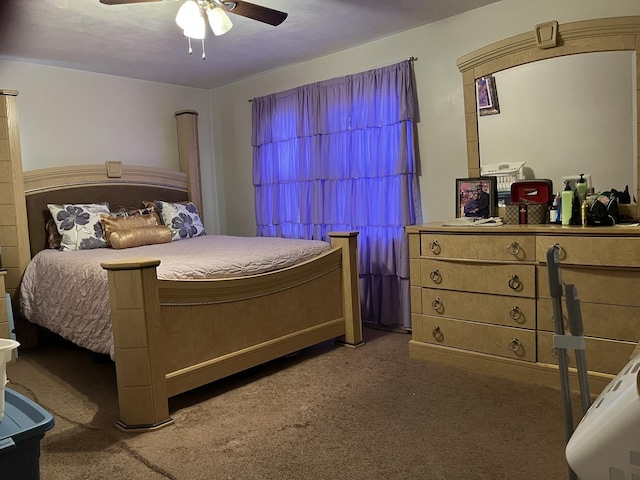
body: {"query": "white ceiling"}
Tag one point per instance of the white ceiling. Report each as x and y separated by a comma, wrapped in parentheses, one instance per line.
(142, 40)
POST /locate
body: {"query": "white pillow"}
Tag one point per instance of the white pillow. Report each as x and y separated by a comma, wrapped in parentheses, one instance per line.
(80, 225)
(183, 220)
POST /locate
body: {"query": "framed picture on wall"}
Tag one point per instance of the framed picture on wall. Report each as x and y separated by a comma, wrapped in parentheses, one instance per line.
(487, 96)
(476, 197)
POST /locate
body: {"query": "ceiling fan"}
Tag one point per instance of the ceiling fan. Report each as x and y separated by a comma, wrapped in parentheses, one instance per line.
(191, 15)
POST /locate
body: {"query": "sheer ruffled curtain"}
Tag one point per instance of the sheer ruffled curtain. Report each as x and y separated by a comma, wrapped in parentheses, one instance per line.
(339, 155)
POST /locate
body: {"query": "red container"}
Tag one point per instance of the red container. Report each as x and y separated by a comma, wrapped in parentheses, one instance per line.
(532, 191)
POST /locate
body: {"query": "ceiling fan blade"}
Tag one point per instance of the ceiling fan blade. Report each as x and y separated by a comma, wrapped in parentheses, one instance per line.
(255, 12)
(124, 2)
(238, 7)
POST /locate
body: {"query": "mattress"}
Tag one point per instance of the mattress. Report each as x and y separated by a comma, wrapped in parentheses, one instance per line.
(68, 292)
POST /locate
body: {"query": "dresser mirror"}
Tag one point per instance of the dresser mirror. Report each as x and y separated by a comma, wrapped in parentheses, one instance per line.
(568, 103)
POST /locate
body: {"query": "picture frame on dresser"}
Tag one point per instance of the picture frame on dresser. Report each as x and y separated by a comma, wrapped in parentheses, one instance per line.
(476, 197)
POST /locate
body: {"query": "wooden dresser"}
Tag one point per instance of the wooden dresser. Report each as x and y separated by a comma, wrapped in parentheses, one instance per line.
(480, 297)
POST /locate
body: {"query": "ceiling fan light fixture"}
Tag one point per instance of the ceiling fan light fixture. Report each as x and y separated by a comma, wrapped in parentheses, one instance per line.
(219, 21)
(197, 29)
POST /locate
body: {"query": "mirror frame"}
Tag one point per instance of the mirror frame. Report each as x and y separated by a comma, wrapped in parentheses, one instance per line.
(547, 40)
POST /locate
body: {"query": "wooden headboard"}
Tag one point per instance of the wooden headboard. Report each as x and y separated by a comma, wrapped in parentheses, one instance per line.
(120, 186)
(18, 184)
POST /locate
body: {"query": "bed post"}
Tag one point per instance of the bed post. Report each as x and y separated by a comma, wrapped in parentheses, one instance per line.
(135, 313)
(5, 331)
(348, 241)
(189, 154)
(14, 234)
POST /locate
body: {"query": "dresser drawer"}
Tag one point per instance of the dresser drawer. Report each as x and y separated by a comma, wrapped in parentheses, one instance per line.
(616, 322)
(510, 248)
(595, 250)
(478, 337)
(500, 279)
(606, 356)
(597, 285)
(479, 307)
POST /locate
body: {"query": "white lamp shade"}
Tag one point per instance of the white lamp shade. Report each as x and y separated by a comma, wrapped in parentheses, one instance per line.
(188, 15)
(219, 21)
(196, 30)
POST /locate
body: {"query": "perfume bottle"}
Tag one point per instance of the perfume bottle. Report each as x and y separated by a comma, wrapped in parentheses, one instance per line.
(583, 213)
(553, 212)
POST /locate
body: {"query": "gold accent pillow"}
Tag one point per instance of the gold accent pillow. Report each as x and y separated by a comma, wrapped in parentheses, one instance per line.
(136, 237)
(114, 223)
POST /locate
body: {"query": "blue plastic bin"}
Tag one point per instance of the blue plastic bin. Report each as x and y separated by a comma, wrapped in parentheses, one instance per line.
(21, 430)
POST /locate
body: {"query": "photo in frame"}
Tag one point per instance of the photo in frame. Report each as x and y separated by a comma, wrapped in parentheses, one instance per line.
(487, 96)
(476, 197)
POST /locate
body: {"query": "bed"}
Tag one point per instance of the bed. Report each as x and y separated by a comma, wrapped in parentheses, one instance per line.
(169, 335)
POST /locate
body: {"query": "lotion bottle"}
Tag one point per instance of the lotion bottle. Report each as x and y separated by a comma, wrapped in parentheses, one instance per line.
(581, 187)
(567, 204)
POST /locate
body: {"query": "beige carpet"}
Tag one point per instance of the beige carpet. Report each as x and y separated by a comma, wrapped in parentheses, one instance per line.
(327, 413)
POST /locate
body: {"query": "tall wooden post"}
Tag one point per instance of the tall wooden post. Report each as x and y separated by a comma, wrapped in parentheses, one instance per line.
(135, 319)
(350, 286)
(14, 233)
(4, 319)
(189, 153)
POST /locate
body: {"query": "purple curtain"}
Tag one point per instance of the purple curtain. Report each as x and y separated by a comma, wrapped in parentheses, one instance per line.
(339, 155)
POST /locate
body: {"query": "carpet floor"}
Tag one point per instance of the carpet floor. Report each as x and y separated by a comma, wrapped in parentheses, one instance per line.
(328, 412)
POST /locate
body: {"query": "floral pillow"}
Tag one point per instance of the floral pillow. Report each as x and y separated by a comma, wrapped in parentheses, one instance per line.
(183, 220)
(80, 225)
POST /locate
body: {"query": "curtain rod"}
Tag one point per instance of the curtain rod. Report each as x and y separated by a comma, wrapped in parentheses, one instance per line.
(410, 59)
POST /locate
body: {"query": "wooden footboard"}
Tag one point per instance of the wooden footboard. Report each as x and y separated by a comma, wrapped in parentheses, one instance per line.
(171, 336)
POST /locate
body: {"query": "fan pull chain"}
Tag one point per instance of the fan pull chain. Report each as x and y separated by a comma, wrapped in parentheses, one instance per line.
(204, 57)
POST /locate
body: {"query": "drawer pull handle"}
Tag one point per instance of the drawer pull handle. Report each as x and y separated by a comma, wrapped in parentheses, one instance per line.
(437, 305)
(515, 345)
(434, 246)
(554, 352)
(437, 334)
(515, 313)
(513, 248)
(515, 283)
(435, 276)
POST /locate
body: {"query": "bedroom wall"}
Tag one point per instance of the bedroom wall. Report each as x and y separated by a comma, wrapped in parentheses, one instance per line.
(71, 117)
(441, 130)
